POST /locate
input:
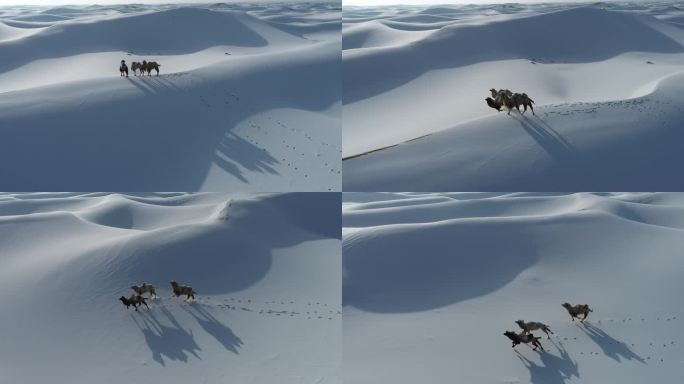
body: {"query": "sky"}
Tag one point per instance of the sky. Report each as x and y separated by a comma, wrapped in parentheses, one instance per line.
(345, 2)
(424, 2)
(90, 2)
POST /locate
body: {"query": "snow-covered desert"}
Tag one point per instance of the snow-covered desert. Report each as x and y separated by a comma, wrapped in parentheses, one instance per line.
(266, 269)
(432, 281)
(248, 97)
(606, 79)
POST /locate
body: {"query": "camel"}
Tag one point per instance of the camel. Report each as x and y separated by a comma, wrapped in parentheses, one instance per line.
(123, 69)
(493, 104)
(136, 67)
(528, 327)
(576, 310)
(149, 66)
(510, 100)
(523, 338)
(524, 100)
(134, 300)
(507, 101)
(179, 290)
(145, 288)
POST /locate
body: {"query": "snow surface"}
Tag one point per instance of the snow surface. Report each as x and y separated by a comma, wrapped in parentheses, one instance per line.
(431, 281)
(266, 269)
(249, 98)
(606, 80)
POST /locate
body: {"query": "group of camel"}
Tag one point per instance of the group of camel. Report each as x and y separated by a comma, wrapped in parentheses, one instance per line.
(137, 299)
(139, 68)
(510, 100)
(526, 336)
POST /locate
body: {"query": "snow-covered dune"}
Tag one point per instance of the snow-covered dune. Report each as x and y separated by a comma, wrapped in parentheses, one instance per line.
(8, 32)
(266, 269)
(242, 102)
(431, 282)
(567, 58)
(605, 34)
(179, 30)
(627, 144)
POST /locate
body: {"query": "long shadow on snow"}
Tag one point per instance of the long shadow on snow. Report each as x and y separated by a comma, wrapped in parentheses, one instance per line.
(558, 148)
(308, 86)
(554, 369)
(233, 146)
(214, 327)
(615, 349)
(164, 138)
(171, 342)
(409, 268)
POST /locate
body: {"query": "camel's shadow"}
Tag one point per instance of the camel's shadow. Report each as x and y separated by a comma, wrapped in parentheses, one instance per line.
(222, 333)
(615, 349)
(555, 369)
(171, 342)
(558, 148)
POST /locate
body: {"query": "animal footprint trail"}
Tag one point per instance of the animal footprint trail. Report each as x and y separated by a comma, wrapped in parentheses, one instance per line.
(274, 308)
(292, 153)
(627, 349)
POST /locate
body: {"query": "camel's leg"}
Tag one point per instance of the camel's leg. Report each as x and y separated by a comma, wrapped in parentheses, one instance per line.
(532, 109)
